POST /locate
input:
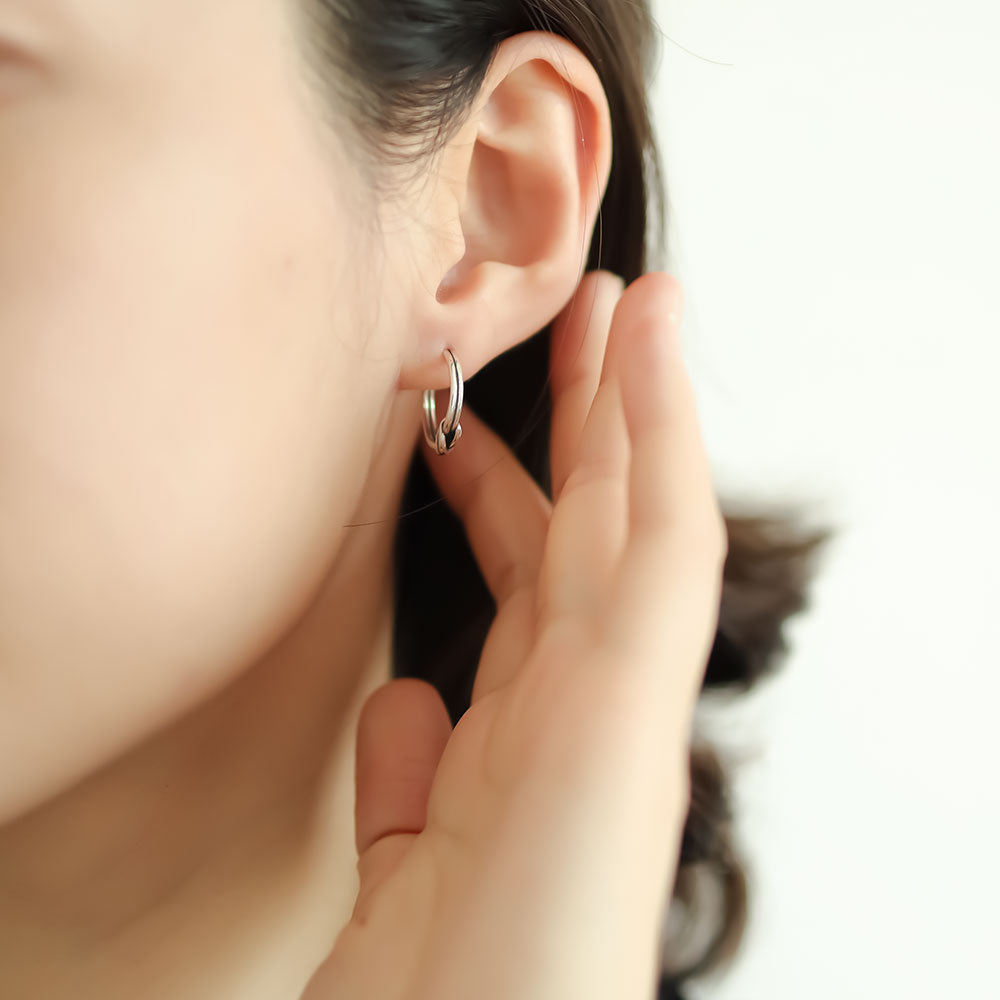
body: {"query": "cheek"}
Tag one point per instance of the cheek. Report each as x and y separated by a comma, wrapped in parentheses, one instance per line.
(168, 367)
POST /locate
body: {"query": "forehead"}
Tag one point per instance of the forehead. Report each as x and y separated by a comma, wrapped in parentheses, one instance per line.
(83, 40)
(56, 24)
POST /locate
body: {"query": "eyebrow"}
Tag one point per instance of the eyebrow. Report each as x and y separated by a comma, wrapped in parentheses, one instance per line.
(28, 21)
(33, 30)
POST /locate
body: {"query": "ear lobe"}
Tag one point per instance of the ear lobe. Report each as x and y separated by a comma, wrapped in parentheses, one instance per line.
(529, 170)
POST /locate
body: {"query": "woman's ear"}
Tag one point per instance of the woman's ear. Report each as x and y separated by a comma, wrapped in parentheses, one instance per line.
(515, 197)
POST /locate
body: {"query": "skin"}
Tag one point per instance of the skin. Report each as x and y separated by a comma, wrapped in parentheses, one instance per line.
(530, 852)
(211, 364)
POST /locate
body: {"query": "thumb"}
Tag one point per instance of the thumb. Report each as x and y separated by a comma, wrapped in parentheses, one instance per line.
(403, 729)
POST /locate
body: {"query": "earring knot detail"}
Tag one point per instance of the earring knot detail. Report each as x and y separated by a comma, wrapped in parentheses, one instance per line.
(443, 436)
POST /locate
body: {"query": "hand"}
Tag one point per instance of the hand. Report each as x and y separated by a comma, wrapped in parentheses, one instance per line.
(529, 853)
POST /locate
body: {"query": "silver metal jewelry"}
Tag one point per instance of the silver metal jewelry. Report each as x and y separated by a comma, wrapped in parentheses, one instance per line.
(444, 436)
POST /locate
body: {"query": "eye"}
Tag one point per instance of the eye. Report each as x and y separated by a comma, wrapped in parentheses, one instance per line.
(8, 50)
(18, 68)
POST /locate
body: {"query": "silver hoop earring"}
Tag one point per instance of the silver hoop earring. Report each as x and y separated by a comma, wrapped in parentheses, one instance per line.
(444, 436)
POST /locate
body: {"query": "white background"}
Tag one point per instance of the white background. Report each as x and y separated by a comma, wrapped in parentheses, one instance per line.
(833, 173)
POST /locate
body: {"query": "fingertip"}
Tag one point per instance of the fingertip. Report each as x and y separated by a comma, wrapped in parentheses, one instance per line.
(653, 321)
(651, 364)
(614, 281)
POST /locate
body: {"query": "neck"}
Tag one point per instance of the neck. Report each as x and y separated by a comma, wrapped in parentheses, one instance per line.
(228, 834)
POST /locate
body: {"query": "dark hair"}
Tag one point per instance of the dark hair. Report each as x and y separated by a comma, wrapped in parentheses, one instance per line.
(404, 72)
